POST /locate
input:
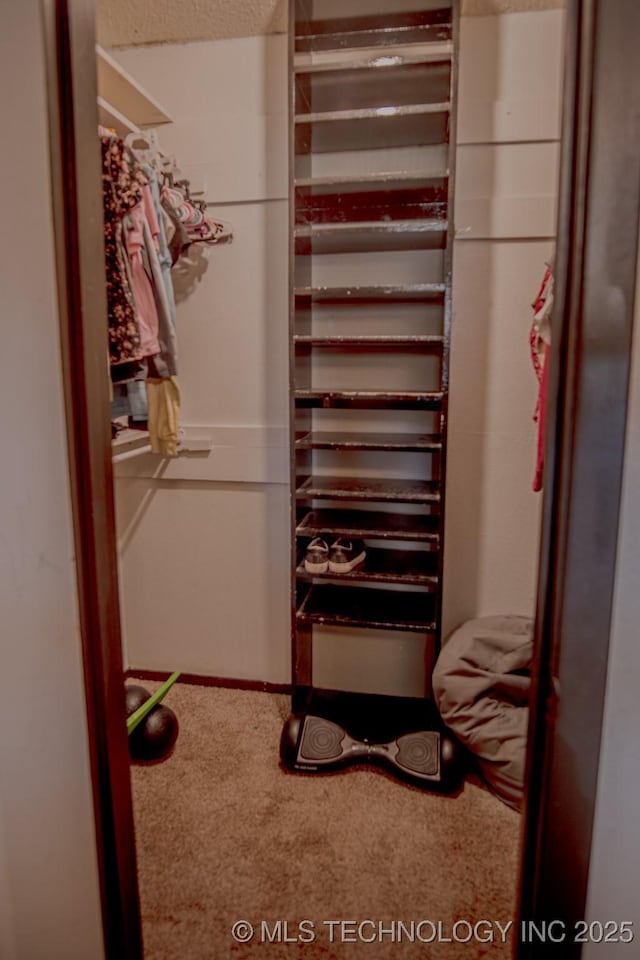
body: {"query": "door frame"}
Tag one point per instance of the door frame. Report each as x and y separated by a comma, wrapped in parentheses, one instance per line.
(582, 433)
(80, 266)
(599, 213)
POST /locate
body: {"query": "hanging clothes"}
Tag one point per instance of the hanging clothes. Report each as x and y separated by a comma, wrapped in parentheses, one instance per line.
(149, 223)
(540, 343)
(163, 398)
(164, 255)
(121, 191)
(134, 223)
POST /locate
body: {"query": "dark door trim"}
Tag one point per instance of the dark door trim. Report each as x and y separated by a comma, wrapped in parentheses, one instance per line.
(595, 289)
(77, 202)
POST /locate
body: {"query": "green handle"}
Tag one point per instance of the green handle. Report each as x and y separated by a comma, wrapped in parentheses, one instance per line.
(145, 708)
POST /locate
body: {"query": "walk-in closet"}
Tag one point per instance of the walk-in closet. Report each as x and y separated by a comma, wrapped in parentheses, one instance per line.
(319, 572)
(352, 473)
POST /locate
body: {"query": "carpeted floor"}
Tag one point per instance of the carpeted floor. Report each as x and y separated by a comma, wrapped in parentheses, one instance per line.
(224, 834)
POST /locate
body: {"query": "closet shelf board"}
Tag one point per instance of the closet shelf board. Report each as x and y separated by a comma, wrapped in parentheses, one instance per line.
(390, 180)
(426, 342)
(325, 440)
(372, 57)
(412, 567)
(369, 607)
(362, 237)
(354, 130)
(128, 440)
(112, 119)
(405, 293)
(354, 32)
(401, 400)
(369, 488)
(374, 113)
(375, 525)
(125, 95)
(421, 203)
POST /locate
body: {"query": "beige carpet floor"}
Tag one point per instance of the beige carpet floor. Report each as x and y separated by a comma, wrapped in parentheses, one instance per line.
(224, 834)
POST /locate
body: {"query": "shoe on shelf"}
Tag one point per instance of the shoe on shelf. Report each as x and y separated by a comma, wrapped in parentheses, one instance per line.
(345, 555)
(316, 558)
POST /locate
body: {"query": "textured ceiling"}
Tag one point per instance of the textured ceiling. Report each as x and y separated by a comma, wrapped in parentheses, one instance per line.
(123, 23)
(129, 22)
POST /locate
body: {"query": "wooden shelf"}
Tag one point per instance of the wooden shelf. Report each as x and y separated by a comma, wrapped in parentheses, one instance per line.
(346, 33)
(425, 342)
(130, 442)
(324, 440)
(366, 58)
(373, 203)
(373, 113)
(370, 524)
(389, 180)
(362, 237)
(371, 399)
(368, 607)
(413, 567)
(363, 88)
(369, 488)
(391, 293)
(396, 88)
(339, 131)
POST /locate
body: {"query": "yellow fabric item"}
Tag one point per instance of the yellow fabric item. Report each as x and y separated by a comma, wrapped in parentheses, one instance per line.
(163, 401)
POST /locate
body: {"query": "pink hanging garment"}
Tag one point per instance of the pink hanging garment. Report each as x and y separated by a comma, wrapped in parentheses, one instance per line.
(142, 289)
(540, 342)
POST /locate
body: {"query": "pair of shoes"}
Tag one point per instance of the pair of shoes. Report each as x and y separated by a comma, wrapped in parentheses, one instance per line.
(343, 556)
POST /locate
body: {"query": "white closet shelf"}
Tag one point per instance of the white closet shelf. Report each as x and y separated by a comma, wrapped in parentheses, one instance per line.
(130, 443)
(122, 103)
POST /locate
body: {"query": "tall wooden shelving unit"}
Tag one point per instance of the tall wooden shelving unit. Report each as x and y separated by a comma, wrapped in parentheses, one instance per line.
(372, 112)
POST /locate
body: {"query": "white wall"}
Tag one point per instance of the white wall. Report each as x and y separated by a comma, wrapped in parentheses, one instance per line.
(204, 539)
(507, 166)
(49, 889)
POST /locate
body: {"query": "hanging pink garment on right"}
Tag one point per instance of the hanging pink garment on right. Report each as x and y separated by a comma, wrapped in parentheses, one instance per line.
(540, 342)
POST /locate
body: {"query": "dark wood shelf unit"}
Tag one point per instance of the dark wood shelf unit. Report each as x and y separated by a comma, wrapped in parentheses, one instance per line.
(369, 524)
(373, 128)
(376, 202)
(369, 607)
(415, 567)
(360, 237)
(380, 30)
(361, 59)
(338, 440)
(385, 399)
(400, 490)
(374, 293)
(363, 182)
(427, 342)
(407, 87)
(372, 173)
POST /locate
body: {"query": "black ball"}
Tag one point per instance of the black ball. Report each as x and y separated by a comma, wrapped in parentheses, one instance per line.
(154, 738)
(135, 696)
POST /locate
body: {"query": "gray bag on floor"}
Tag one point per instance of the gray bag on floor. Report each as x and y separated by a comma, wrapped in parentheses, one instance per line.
(481, 685)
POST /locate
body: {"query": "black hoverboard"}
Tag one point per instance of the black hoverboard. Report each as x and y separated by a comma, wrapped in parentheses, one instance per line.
(427, 758)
